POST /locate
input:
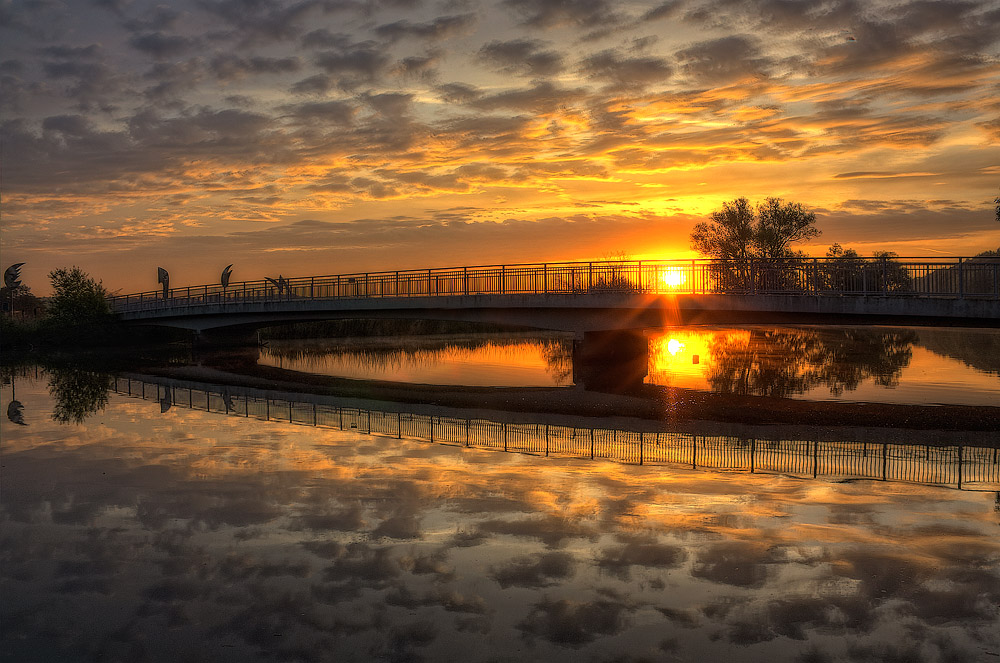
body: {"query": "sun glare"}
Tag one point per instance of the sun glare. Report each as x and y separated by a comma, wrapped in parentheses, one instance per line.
(673, 277)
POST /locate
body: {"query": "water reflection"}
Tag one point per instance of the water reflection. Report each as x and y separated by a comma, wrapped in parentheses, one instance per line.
(887, 365)
(78, 393)
(213, 536)
(489, 361)
(940, 459)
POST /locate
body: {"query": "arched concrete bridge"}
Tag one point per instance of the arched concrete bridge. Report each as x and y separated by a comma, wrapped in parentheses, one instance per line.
(599, 296)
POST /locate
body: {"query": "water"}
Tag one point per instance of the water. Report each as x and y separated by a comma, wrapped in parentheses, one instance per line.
(864, 364)
(177, 518)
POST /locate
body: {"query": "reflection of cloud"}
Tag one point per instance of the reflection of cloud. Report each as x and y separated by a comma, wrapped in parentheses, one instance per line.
(540, 570)
(733, 563)
(573, 623)
(552, 530)
(618, 559)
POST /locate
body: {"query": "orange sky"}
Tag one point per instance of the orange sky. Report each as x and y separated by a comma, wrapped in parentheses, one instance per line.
(317, 137)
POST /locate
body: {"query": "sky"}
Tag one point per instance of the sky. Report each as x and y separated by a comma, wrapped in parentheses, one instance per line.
(309, 137)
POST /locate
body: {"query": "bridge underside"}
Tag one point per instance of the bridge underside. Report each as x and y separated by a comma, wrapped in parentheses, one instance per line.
(582, 313)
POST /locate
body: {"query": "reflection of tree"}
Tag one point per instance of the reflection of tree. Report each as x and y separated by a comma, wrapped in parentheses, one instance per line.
(782, 362)
(78, 393)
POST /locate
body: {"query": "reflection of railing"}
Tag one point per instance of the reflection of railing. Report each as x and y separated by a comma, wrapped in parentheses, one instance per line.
(953, 277)
(961, 466)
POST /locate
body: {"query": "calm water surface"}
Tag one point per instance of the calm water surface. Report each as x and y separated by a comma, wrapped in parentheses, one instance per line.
(141, 529)
(869, 364)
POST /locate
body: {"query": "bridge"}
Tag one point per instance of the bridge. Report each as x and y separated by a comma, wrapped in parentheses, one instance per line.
(598, 296)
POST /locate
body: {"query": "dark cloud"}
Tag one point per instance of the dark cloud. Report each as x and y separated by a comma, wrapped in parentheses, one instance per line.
(355, 64)
(268, 20)
(553, 13)
(73, 52)
(158, 18)
(541, 97)
(161, 45)
(317, 85)
(322, 112)
(171, 80)
(418, 67)
(666, 9)
(440, 28)
(233, 67)
(522, 56)
(723, 60)
(617, 70)
(459, 93)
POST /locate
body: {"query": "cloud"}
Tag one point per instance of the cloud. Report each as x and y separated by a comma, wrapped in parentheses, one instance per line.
(540, 570)
(724, 60)
(354, 64)
(162, 46)
(440, 28)
(541, 97)
(573, 623)
(554, 13)
(623, 71)
(525, 57)
(233, 67)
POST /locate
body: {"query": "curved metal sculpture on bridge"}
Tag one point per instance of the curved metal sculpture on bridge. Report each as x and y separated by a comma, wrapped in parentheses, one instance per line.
(12, 275)
(162, 276)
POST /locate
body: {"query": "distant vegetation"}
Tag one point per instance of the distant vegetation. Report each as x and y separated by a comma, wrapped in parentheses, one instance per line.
(754, 245)
(76, 316)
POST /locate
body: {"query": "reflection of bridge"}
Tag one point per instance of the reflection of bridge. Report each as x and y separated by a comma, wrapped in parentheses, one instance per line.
(961, 466)
(592, 296)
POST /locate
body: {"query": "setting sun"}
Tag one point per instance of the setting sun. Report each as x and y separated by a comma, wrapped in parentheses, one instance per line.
(673, 277)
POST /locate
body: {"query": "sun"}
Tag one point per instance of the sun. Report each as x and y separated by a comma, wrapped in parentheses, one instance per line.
(673, 277)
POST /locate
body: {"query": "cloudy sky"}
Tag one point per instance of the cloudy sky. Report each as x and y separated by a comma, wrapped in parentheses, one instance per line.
(323, 136)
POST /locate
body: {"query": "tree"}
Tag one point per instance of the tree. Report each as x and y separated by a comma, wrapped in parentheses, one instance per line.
(751, 242)
(846, 271)
(738, 232)
(77, 297)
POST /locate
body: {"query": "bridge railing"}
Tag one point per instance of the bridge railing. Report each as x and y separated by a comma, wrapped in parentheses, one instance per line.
(916, 277)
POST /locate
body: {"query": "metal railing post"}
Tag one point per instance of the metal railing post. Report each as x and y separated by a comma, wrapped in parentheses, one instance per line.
(961, 279)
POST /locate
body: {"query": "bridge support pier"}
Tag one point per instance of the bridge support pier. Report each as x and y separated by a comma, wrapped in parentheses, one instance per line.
(226, 337)
(611, 361)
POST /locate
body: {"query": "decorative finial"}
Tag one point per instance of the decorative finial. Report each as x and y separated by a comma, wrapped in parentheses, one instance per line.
(163, 277)
(12, 275)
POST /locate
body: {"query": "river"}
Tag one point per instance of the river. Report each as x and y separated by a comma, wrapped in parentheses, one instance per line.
(502, 507)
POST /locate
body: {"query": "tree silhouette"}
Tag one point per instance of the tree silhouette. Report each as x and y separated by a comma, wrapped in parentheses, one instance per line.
(784, 362)
(750, 243)
(76, 297)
